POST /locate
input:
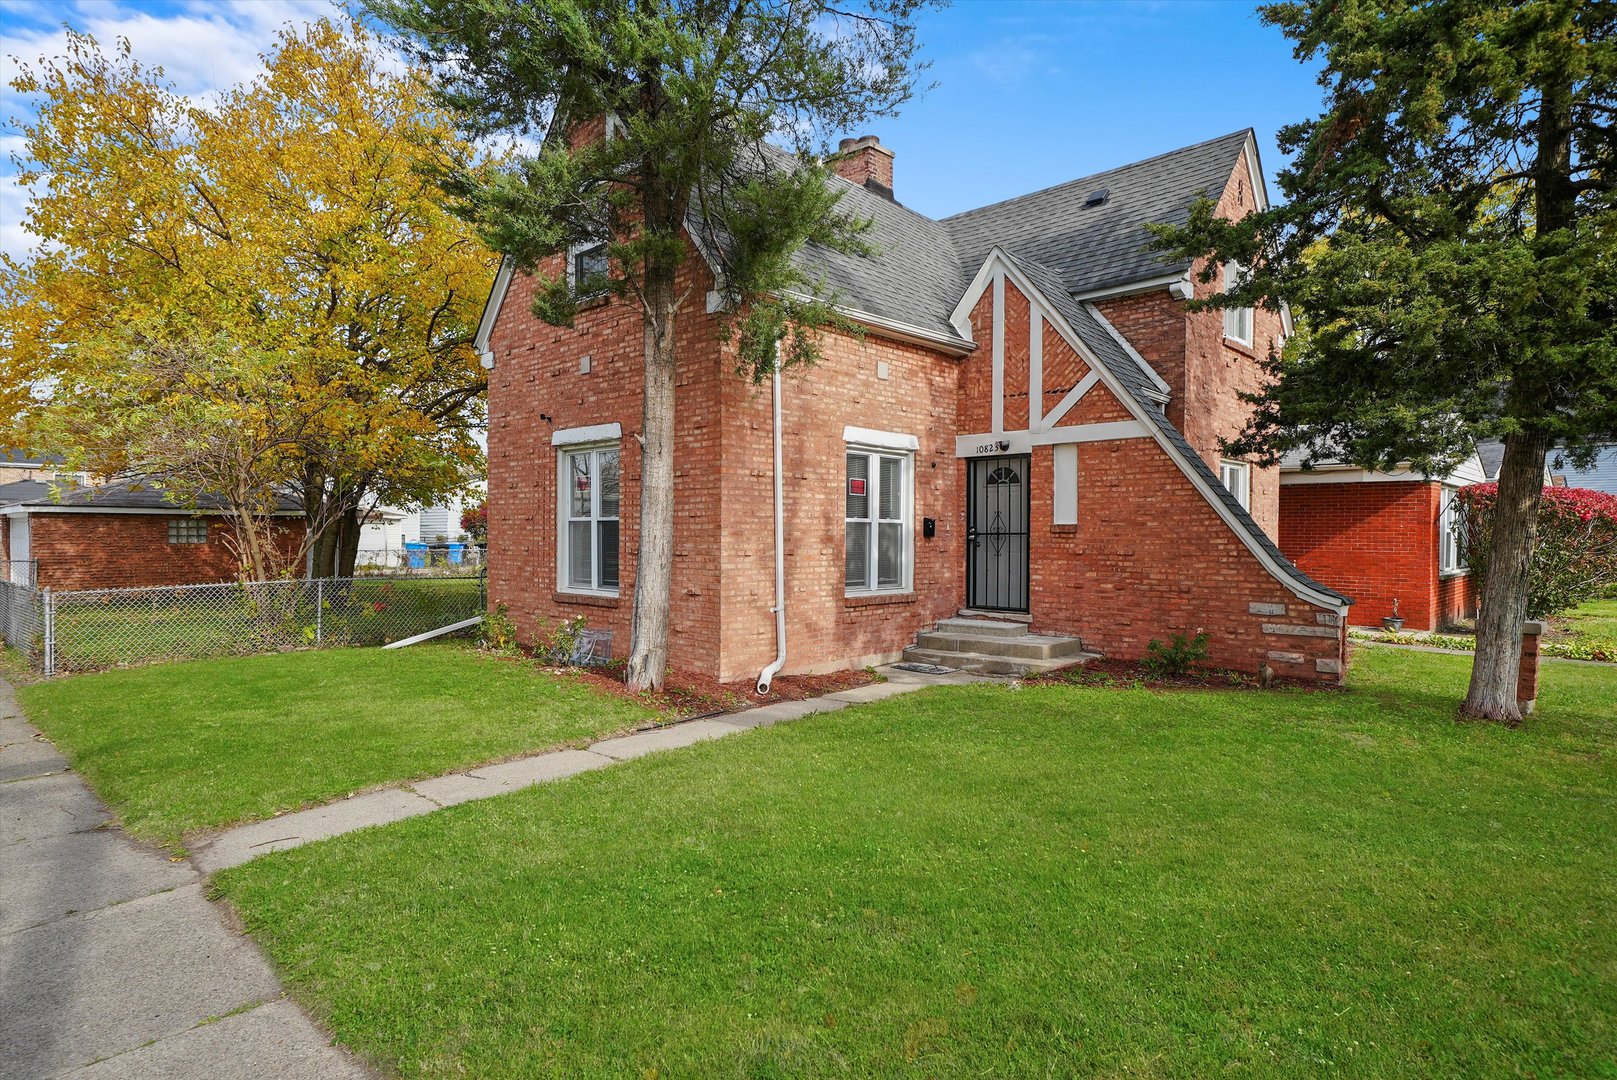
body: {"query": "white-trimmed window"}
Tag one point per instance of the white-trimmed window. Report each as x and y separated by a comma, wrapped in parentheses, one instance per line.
(188, 530)
(587, 268)
(587, 519)
(1237, 476)
(1450, 542)
(878, 521)
(1237, 320)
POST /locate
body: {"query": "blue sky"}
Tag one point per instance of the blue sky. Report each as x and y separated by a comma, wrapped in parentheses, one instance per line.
(1029, 94)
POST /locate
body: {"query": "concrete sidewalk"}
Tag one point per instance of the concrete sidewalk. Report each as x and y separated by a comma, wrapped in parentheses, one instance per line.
(113, 964)
(236, 846)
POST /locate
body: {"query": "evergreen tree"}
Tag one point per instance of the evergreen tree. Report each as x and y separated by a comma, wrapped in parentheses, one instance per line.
(1449, 242)
(689, 90)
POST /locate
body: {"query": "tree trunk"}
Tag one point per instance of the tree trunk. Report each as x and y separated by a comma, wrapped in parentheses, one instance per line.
(1503, 604)
(347, 553)
(654, 567)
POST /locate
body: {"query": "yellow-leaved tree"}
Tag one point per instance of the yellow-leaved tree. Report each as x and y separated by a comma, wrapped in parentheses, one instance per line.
(255, 296)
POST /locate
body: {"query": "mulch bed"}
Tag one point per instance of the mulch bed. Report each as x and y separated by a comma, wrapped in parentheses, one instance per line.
(1131, 674)
(686, 694)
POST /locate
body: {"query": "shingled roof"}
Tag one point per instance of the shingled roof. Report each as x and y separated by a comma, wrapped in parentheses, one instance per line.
(1097, 247)
(39, 497)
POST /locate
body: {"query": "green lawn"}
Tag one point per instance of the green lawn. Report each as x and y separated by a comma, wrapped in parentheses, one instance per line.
(1593, 624)
(182, 747)
(985, 881)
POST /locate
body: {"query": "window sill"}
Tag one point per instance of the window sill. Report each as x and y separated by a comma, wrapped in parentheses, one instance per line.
(584, 599)
(1245, 348)
(593, 300)
(878, 599)
(1445, 575)
(1063, 530)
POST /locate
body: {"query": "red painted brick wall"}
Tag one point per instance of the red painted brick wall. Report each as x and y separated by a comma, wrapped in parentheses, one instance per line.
(1375, 542)
(119, 551)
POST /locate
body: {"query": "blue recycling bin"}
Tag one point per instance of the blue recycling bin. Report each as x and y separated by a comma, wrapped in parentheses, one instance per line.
(457, 554)
(415, 556)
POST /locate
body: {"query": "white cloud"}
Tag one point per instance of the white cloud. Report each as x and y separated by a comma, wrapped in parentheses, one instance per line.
(203, 46)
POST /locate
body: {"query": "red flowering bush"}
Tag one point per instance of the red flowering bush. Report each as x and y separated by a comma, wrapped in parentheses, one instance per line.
(474, 521)
(1576, 556)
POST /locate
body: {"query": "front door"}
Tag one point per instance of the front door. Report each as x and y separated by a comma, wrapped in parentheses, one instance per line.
(997, 533)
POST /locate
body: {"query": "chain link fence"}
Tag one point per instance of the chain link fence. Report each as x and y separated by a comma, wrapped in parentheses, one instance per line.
(20, 572)
(96, 629)
(22, 618)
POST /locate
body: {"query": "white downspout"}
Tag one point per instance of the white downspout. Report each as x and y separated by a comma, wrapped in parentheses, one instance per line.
(769, 673)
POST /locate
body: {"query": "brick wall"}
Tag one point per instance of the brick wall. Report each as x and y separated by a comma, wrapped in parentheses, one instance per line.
(118, 551)
(1375, 542)
(538, 370)
(1205, 371)
(1150, 557)
(826, 628)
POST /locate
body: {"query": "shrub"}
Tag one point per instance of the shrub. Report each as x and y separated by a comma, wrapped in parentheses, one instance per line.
(1576, 555)
(557, 643)
(499, 632)
(1175, 658)
(474, 521)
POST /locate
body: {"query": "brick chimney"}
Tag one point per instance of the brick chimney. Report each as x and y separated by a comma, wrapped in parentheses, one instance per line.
(866, 162)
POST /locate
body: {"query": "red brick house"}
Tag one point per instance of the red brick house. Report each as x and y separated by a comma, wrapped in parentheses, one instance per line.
(1381, 537)
(119, 536)
(1027, 431)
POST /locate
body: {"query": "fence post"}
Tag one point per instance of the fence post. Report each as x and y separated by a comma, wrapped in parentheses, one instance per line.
(48, 602)
(319, 609)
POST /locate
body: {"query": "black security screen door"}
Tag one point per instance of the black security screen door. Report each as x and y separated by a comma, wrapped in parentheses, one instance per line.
(997, 533)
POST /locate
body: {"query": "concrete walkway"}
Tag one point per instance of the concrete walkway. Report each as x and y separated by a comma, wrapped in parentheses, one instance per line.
(236, 846)
(113, 964)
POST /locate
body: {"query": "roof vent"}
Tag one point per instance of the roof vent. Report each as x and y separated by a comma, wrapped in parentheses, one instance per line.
(1097, 197)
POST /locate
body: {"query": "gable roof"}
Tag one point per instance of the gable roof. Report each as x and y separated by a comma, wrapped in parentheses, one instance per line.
(919, 266)
(1103, 246)
(1099, 341)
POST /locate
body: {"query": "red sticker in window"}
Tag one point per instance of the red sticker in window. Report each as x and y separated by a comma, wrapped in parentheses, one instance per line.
(856, 487)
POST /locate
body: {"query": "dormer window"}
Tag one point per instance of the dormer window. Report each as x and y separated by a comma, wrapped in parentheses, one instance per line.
(1237, 320)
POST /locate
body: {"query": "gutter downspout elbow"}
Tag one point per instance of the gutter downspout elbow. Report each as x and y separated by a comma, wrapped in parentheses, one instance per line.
(768, 674)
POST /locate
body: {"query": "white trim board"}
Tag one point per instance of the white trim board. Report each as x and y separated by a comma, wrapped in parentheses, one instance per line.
(879, 440)
(491, 306)
(990, 444)
(593, 433)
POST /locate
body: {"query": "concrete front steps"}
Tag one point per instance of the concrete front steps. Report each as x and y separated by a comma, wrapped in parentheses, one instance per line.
(992, 647)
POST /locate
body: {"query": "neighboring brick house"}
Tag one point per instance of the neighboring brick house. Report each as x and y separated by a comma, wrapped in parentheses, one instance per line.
(1382, 537)
(120, 536)
(1028, 427)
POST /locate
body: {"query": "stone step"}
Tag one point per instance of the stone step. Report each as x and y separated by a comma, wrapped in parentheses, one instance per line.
(987, 664)
(981, 628)
(1023, 646)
